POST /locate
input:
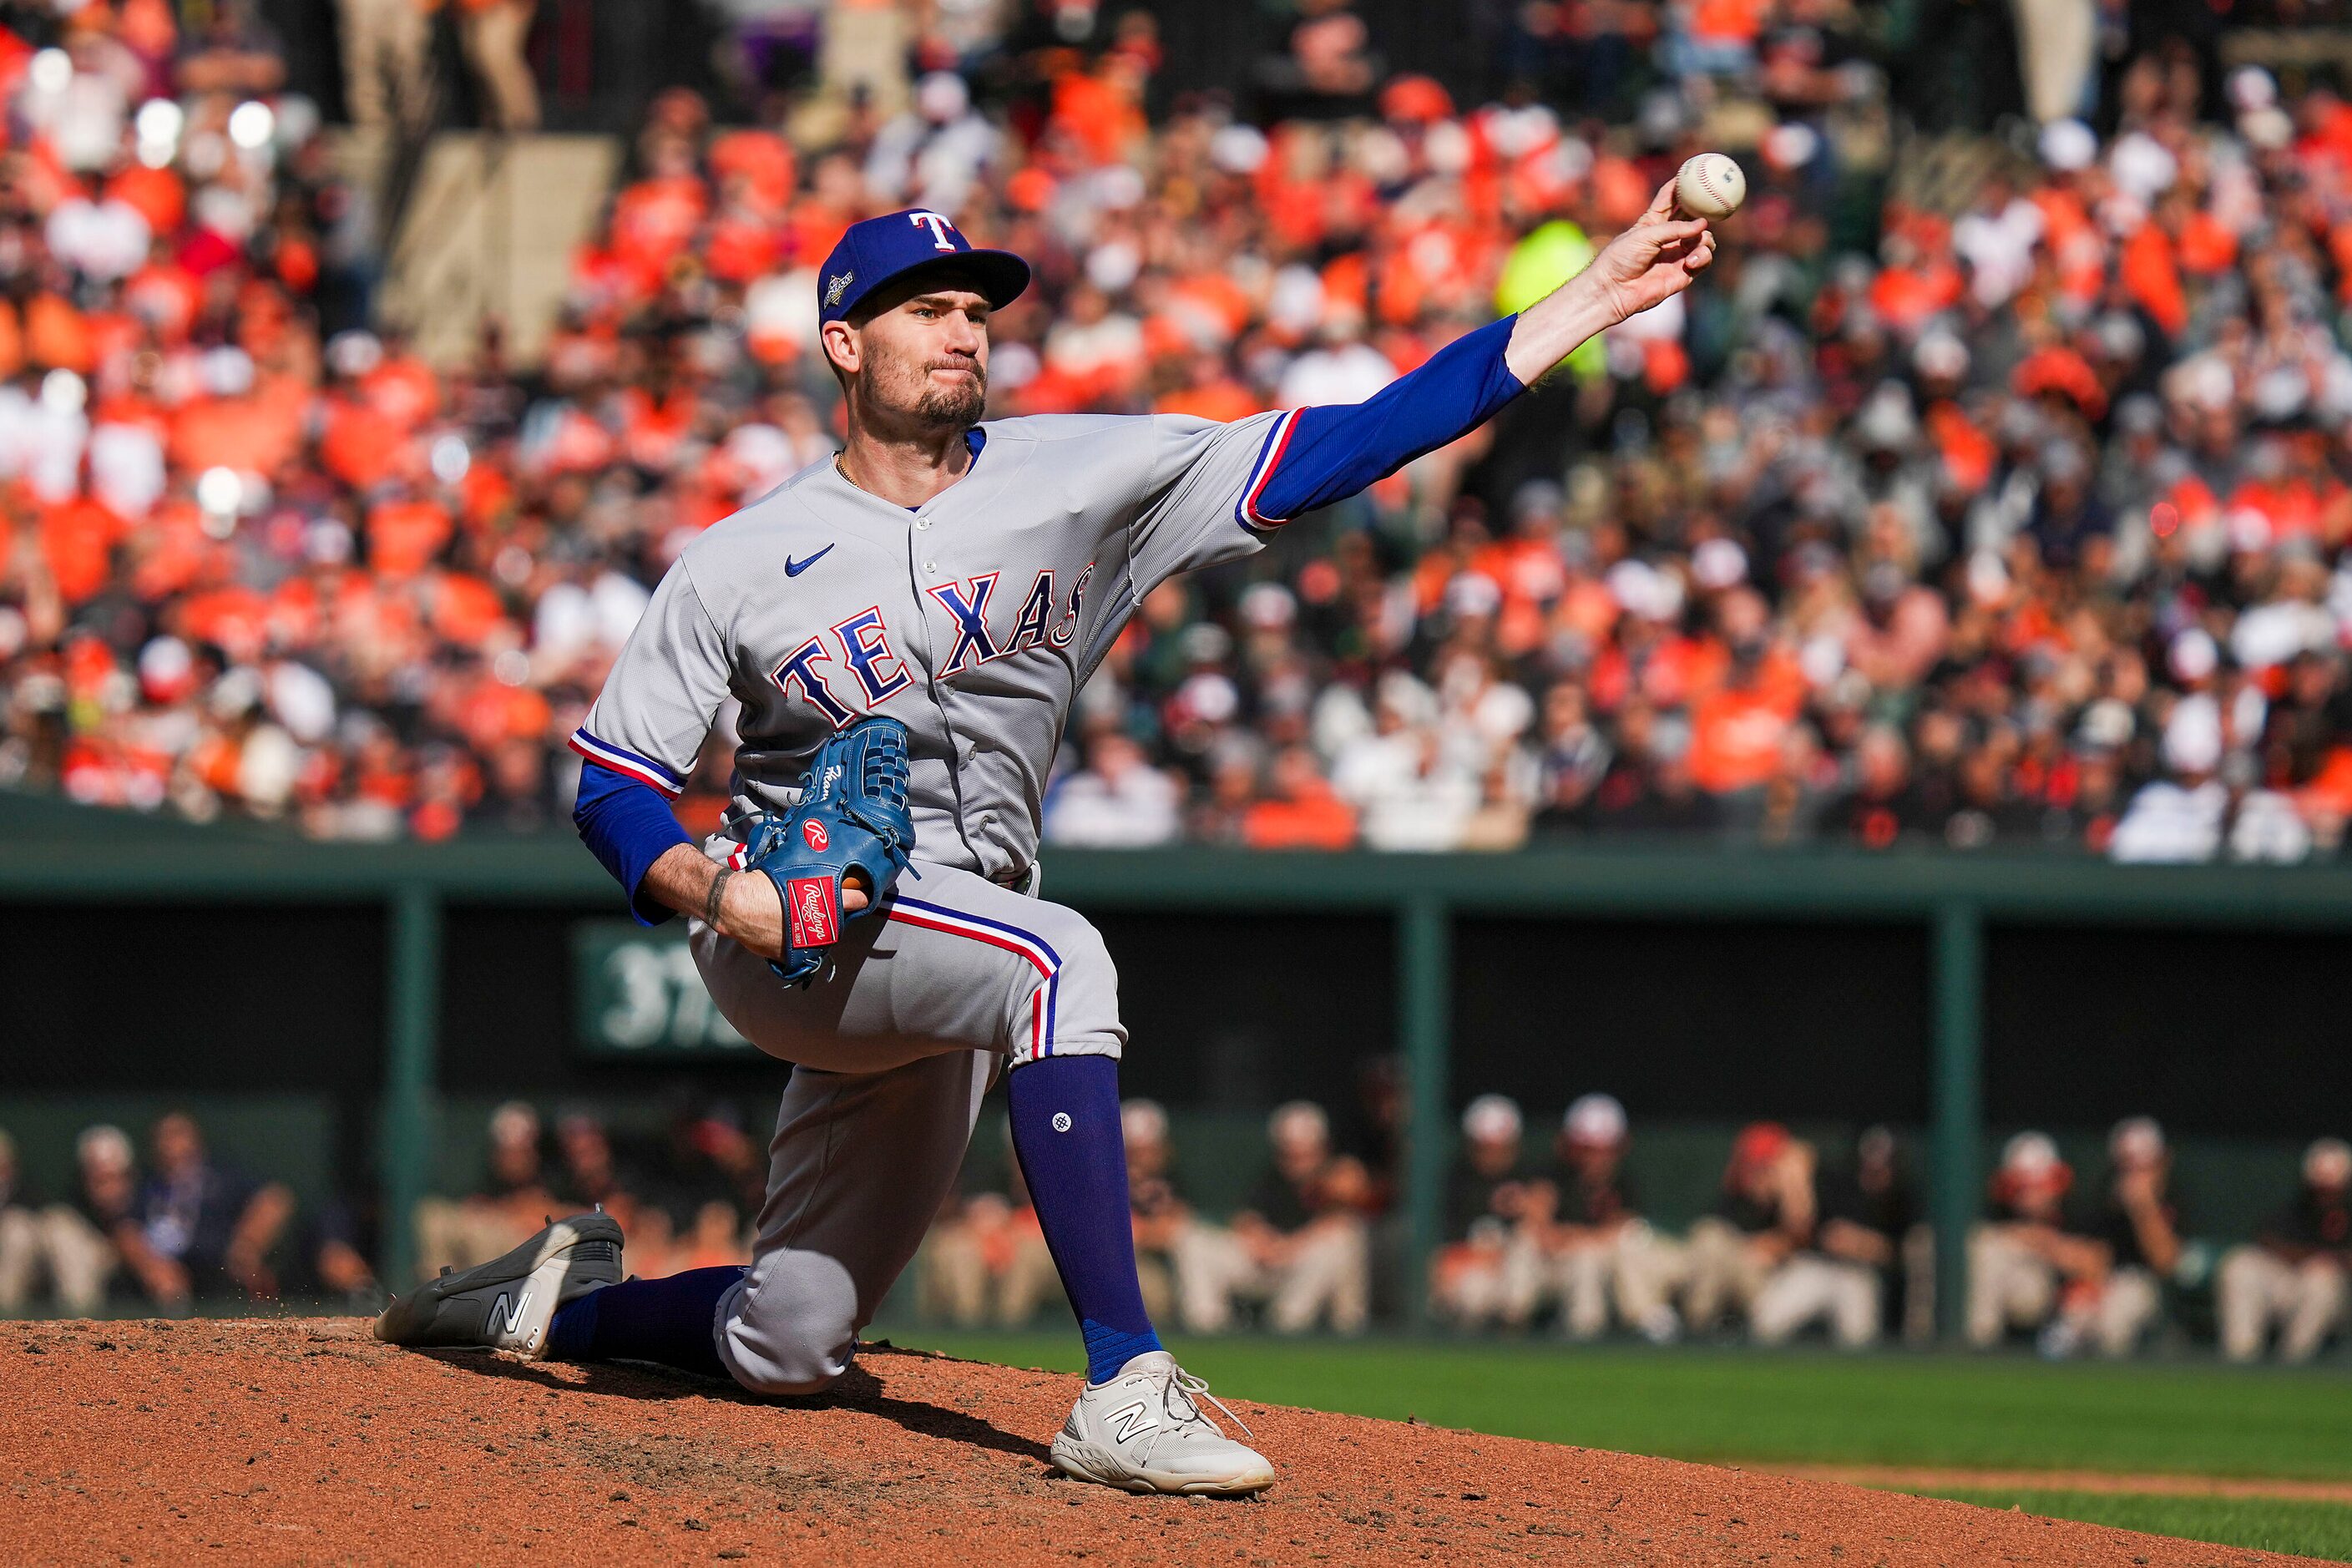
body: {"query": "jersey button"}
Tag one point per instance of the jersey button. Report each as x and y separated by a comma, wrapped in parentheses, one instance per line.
(930, 566)
(922, 524)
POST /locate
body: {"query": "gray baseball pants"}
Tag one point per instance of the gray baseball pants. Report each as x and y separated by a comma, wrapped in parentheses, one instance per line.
(893, 1047)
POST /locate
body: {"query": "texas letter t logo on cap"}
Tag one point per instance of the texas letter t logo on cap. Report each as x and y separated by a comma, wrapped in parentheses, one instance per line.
(940, 228)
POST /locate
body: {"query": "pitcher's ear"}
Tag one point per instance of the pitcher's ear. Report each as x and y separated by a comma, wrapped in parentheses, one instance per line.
(839, 341)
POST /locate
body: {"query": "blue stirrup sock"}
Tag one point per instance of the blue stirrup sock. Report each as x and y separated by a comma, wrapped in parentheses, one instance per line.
(666, 1321)
(1066, 1131)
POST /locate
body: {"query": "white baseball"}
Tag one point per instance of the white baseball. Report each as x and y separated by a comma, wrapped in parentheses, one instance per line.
(1710, 185)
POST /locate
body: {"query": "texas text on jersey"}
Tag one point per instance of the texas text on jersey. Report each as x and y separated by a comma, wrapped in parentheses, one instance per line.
(973, 620)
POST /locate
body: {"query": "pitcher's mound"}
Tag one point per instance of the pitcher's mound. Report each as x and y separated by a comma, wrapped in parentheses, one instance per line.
(304, 1441)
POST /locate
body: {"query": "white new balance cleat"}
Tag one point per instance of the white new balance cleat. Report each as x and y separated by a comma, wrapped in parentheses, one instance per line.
(508, 1302)
(1144, 1431)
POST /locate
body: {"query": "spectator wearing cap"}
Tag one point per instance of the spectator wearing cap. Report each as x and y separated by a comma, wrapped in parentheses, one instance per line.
(1863, 1218)
(2140, 1219)
(2032, 1263)
(1410, 791)
(2182, 817)
(1765, 1214)
(1301, 1245)
(1485, 1274)
(2292, 1278)
(1600, 1254)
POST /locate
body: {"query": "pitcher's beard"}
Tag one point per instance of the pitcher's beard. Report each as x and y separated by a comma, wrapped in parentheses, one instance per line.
(960, 404)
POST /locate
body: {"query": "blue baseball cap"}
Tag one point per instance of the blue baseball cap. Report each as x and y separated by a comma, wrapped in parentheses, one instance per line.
(874, 252)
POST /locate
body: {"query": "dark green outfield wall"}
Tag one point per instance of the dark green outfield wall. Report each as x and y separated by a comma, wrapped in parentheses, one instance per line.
(1960, 998)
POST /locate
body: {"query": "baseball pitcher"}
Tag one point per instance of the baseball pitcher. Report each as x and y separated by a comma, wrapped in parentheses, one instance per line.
(905, 626)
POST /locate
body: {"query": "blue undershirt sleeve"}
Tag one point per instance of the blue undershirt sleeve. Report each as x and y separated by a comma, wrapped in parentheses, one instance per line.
(627, 826)
(1330, 453)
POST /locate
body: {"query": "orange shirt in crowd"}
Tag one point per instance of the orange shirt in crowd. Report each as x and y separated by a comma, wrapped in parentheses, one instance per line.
(2061, 370)
(466, 609)
(56, 335)
(2208, 246)
(1224, 401)
(170, 550)
(234, 616)
(78, 539)
(1905, 297)
(254, 434)
(1100, 111)
(357, 445)
(155, 195)
(1316, 819)
(1728, 21)
(404, 536)
(2150, 277)
(404, 391)
(759, 166)
(1736, 735)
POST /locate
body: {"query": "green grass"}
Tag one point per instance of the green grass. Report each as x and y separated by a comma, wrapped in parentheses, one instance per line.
(1738, 1406)
(1796, 1407)
(2308, 1528)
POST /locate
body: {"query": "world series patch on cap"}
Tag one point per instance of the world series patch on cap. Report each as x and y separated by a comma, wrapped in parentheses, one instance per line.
(878, 250)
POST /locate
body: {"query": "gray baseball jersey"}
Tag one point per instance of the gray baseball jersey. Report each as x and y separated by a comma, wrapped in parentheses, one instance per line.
(973, 620)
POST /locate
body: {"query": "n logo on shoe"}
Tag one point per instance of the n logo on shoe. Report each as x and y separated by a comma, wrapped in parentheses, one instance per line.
(512, 1316)
(1130, 1420)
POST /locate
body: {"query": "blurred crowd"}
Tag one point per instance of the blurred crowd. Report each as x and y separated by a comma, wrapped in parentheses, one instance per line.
(156, 1240)
(686, 1199)
(2012, 517)
(183, 1226)
(1539, 1236)
(1840, 1246)
(1556, 1239)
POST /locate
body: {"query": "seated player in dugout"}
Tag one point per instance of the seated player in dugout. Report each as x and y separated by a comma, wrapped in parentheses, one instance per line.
(2035, 1262)
(906, 625)
(1599, 1253)
(2296, 1275)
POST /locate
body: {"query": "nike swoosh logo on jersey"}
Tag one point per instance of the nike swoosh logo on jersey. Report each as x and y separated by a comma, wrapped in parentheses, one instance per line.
(795, 568)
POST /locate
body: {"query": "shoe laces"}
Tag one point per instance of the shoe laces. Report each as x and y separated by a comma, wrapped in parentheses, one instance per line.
(1179, 1384)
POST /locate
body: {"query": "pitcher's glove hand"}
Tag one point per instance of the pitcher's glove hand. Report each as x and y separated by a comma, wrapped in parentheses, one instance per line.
(851, 821)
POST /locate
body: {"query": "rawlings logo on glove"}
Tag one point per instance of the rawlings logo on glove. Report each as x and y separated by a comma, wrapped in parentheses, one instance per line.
(851, 822)
(816, 918)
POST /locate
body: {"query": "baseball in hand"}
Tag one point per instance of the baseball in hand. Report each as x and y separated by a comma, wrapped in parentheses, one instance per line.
(1710, 185)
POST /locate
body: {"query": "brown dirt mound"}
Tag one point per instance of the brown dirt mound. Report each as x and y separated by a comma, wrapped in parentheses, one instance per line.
(294, 1440)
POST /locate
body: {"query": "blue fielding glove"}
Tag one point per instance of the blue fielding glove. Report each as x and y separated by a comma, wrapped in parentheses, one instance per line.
(851, 820)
